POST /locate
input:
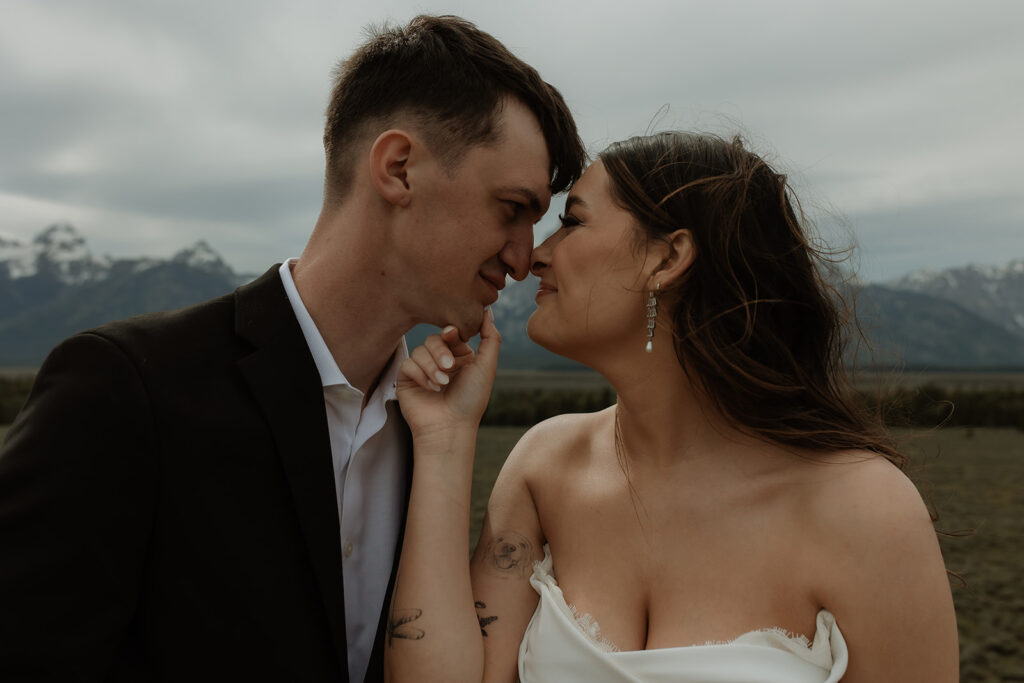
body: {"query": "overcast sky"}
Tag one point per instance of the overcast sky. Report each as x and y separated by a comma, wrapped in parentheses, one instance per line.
(150, 125)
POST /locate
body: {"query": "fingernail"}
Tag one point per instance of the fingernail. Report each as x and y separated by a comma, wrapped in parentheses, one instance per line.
(441, 377)
(433, 386)
(449, 329)
(490, 312)
(447, 362)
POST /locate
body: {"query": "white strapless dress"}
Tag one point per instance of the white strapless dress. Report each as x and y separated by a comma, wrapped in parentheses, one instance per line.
(561, 646)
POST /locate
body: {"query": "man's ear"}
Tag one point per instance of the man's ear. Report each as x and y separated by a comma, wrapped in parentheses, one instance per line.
(678, 251)
(389, 160)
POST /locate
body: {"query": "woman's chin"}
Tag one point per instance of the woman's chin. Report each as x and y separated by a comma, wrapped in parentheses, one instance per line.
(535, 331)
(532, 332)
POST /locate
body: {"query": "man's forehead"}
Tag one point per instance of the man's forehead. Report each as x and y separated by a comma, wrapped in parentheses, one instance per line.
(523, 150)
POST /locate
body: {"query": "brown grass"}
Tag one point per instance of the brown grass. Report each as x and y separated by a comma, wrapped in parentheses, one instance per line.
(975, 480)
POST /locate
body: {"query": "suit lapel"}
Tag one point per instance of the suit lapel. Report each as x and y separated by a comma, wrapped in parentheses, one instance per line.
(285, 382)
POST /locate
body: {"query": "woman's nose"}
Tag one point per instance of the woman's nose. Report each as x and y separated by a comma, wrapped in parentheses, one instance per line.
(540, 258)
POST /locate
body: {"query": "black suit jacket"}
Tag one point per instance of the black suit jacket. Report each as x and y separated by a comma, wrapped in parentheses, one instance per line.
(168, 507)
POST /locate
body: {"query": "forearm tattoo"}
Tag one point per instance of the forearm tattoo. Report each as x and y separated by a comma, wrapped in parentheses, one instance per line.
(400, 625)
(400, 621)
(484, 621)
(509, 554)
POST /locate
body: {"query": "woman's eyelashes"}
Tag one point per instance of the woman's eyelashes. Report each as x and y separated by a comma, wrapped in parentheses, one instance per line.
(568, 220)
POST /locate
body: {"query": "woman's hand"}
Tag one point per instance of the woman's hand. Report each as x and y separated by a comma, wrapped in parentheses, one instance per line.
(443, 386)
(443, 389)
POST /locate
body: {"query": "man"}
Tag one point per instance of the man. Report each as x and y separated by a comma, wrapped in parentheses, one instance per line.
(218, 492)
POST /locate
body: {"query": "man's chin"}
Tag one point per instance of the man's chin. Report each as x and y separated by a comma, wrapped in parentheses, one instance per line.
(467, 332)
(468, 324)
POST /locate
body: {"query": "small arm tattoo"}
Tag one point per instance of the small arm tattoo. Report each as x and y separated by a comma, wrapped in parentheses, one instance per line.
(399, 625)
(484, 621)
(510, 554)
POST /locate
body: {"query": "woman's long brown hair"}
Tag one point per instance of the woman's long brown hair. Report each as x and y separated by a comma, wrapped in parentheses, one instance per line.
(757, 326)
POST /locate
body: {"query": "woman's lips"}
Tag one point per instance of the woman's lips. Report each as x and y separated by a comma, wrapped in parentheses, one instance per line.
(545, 288)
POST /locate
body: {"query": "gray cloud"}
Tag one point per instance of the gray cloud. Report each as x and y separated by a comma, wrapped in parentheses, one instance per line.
(150, 125)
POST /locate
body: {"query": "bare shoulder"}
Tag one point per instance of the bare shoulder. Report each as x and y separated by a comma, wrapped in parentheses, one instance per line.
(558, 441)
(858, 494)
(878, 568)
(541, 457)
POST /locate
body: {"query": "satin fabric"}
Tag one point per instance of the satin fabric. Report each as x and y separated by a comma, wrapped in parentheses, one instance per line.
(560, 645)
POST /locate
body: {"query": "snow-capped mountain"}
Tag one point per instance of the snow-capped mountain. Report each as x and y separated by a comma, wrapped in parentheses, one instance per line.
(54, 286)
(59, 251)
(201, 256)
(995, 293)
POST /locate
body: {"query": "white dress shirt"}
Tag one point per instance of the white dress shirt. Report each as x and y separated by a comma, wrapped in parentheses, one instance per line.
(369, 447)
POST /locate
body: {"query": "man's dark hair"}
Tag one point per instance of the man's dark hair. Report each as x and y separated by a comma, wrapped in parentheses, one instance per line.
(451, 78)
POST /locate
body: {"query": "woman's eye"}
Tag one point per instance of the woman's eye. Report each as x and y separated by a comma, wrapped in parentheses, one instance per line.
(568, 220)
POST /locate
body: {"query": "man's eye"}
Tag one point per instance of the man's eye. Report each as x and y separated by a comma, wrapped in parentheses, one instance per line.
(516, 208)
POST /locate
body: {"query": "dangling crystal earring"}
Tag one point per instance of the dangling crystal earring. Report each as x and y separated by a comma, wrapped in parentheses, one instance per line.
(652, 313)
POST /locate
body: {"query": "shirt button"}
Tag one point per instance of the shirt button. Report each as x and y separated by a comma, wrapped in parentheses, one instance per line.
(347, 549)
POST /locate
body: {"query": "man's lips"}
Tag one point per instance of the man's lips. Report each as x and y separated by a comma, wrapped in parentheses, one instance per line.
(497, 280)
(498, 283)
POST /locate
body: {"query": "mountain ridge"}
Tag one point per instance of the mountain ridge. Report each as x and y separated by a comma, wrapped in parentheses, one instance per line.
(995, 293)
(53, 286)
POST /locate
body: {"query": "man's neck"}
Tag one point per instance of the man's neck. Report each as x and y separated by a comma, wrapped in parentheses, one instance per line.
(352, 306)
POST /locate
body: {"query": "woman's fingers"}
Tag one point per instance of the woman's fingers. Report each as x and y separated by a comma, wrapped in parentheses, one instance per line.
(460, 349)
(444, 358)
(490, 340)
(441, 356)
(424, 358)
(412, 372)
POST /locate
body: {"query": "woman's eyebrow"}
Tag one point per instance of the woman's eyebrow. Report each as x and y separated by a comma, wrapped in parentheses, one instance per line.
(572, 200)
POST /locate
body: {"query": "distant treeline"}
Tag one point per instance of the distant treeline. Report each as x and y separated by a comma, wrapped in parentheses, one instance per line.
(926, 406)
(529, 406)
(931, 405)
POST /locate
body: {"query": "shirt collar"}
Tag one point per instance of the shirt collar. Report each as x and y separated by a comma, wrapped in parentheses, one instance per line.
(330, 373)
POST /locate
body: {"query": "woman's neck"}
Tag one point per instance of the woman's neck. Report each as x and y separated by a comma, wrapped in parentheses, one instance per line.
(664, 419)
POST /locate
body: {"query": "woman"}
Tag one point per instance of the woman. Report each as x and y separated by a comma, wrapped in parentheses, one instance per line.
(732, 518)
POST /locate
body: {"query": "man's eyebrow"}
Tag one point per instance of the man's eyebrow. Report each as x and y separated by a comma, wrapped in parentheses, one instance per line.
(532, 199)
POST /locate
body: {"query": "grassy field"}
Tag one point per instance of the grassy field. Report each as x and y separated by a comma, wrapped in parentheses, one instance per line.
(975, 481)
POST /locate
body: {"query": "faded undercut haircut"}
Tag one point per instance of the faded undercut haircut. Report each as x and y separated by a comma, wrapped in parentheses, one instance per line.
(450, 79)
